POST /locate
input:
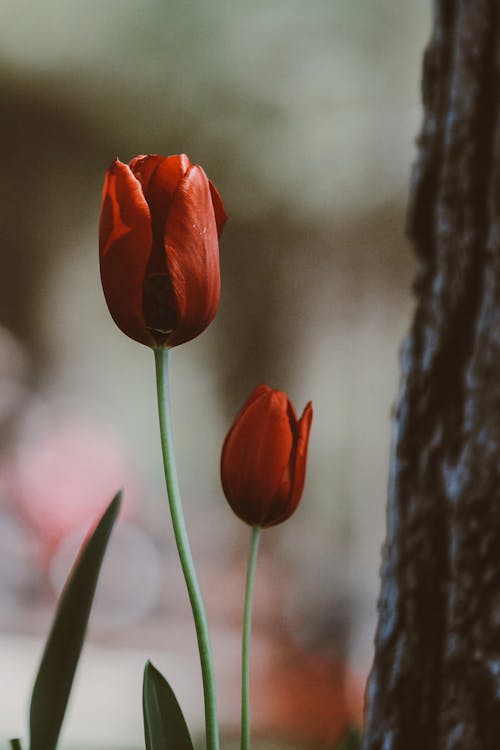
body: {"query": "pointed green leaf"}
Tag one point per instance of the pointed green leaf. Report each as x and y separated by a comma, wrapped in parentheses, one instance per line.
(64, 644)
(164, 725)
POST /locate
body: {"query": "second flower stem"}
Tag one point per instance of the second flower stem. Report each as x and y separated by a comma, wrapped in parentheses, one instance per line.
(183, 547)
(246, 642)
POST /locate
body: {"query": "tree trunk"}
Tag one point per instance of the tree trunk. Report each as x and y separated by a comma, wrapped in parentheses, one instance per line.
(435, 680)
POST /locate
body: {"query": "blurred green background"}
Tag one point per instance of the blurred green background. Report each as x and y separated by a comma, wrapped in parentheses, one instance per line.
(304, 115)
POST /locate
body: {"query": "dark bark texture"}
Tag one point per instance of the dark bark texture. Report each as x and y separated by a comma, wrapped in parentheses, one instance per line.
(435, 680)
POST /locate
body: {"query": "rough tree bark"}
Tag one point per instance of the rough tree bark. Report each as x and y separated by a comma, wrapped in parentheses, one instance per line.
(435, 680)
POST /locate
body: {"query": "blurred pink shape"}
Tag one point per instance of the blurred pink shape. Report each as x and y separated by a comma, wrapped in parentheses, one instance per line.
(65, 476)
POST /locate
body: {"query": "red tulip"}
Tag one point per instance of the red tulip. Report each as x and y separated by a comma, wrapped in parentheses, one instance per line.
(263, 462)
(158, 246)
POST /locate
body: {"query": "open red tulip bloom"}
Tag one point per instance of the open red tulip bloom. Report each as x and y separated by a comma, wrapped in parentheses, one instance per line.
(158, 246)
(263, 462)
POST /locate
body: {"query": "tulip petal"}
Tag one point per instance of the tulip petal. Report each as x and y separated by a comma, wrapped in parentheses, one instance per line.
(302, 442)
(219, 210)
(256, 393)
(159, 177)
(143, 166)
(192, 256)
(255, 456)
(287, 499)
(125, 241)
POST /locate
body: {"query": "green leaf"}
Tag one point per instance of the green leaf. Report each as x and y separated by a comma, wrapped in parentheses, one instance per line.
(164, 725)
(15, 744)
(64, 644)
(350, 740)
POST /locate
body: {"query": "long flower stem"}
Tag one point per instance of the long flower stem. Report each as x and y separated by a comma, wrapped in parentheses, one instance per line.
(247, 633)
(182, 541)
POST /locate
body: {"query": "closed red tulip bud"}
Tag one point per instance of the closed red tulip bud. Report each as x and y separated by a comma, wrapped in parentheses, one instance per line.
(159, 231)
(263, 463)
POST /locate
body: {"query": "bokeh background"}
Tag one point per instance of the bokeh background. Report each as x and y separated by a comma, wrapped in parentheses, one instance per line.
(304, 115)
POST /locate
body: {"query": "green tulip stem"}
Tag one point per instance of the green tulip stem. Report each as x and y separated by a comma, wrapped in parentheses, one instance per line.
(246, 641)
(184, 550)
(15, 744)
